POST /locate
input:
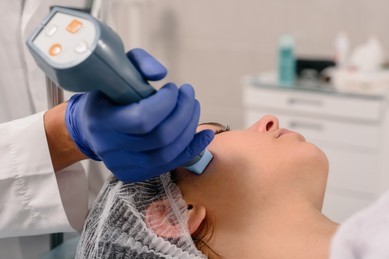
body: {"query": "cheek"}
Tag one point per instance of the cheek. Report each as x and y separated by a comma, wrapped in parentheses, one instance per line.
(308, 154)
(239, 174)
(242, 161)
(305, 163)
(232, 155)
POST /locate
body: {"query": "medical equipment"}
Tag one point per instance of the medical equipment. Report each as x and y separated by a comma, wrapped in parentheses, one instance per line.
(80, 53)
(138, 220)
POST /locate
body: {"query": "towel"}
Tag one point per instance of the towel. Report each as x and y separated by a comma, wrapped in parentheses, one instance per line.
(364, 235)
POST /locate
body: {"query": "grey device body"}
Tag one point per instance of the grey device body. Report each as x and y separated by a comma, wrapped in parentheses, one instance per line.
(106, 67)
(99, 62)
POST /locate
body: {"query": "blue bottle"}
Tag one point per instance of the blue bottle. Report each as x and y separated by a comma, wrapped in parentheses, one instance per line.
(286, 61)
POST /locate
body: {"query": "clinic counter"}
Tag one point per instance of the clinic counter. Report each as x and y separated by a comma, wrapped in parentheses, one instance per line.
(308, 86)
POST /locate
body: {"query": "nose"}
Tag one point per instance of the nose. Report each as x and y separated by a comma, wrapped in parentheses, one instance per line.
(266, 123)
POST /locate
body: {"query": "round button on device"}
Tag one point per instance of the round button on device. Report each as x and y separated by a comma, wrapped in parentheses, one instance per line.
(81, 47)
(55, 49)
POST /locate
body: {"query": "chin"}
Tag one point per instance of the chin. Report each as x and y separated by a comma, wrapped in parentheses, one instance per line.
(321, 157)
(314, 169)
(312, 157)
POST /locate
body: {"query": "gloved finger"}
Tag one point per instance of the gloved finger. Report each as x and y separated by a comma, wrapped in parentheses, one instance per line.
(163, 135)
(129, 173)
(154, 160)
(147, 65)
(144, 116)
(171, 151)
(200, 142)
(186, 112)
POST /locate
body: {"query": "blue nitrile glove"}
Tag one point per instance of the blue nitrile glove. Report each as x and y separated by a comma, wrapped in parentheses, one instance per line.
(141, 140)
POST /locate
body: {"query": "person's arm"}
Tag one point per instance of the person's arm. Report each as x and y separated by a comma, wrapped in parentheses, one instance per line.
(63, 150)
(33, 199)
(73, 188)
(136, 142)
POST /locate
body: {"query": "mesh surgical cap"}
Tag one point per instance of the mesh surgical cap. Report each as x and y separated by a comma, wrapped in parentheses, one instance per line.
(124, 222)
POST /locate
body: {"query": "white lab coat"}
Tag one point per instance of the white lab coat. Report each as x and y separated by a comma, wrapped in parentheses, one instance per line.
(32, 199)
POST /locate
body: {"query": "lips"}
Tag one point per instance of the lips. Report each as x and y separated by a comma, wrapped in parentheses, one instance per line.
(282, 132)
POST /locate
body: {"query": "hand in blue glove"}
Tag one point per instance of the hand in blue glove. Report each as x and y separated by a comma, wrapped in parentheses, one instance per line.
(140, 140)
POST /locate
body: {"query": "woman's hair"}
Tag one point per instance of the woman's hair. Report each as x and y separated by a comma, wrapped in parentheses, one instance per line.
(202, 236)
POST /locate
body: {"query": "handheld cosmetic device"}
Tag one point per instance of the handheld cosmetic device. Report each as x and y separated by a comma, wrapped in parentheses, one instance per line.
(81, 54)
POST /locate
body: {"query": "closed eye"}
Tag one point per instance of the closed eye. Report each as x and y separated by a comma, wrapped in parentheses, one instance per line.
(220, 128)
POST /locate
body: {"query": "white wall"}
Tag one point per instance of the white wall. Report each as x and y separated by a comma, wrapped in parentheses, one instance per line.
(213, 43)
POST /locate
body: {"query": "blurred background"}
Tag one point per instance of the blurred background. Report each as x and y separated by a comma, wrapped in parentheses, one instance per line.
(212, 44)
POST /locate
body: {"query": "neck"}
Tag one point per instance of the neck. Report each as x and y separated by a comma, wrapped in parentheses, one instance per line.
(298, 231)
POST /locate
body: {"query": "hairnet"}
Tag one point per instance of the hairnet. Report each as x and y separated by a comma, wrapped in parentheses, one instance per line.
(125, 222)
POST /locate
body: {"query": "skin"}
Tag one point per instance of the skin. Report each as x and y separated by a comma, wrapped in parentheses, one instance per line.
(63, 153)
(63, 150)
(263, 192)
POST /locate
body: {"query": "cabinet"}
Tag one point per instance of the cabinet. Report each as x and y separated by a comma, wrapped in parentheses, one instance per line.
(350, 128)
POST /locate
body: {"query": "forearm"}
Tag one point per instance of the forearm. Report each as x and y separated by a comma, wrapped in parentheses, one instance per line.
(27, 180)
(63, 151)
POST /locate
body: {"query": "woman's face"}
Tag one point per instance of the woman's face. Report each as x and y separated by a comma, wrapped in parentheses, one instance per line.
(255, 168)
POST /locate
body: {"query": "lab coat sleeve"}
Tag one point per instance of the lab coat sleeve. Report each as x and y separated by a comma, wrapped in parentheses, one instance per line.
(365, 235)
(33, 199)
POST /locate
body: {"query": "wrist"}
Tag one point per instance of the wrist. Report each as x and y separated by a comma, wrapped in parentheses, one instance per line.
(72, 120)
(63, 150)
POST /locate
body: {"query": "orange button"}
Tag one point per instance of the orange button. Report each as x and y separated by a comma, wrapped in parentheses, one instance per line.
(74, 26)
(55, 49)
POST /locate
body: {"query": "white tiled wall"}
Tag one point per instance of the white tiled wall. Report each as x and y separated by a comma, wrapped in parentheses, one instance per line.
(213, 43)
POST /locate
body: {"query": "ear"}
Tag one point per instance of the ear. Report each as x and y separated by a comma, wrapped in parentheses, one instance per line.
(157, 219)
(197, 214)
